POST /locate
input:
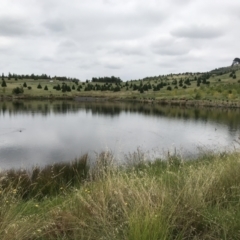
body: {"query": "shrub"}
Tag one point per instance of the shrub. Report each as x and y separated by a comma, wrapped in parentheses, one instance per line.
(17, 90)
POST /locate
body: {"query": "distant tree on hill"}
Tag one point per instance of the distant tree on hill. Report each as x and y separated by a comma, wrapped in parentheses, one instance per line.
(4, 83)
(198, 82)
(39, 86)
(117, 89)
(111, 79)
(58, 88)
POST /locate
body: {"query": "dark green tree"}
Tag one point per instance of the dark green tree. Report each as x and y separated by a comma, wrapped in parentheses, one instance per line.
(4, 83)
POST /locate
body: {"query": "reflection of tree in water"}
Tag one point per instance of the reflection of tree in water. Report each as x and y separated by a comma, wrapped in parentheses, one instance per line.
(4, 108)
(104, 110)
(229, 117)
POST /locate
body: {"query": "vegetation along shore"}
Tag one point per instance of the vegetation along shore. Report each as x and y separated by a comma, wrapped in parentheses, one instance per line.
(219, 88)
(162, 199)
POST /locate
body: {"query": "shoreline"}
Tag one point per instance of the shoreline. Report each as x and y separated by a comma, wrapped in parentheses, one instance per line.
(171, 102)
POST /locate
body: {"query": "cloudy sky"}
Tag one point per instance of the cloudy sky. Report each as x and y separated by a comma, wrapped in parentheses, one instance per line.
(129, 39)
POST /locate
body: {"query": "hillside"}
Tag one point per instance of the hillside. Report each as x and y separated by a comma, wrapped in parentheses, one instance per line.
(222, 85)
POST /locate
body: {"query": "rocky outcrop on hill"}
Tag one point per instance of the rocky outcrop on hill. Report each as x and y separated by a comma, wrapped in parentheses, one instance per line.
(236, 61)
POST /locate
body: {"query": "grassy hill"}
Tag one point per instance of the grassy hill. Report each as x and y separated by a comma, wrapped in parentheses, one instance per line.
(222, 85)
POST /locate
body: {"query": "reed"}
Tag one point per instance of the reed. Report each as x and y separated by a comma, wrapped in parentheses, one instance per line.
(47, 181)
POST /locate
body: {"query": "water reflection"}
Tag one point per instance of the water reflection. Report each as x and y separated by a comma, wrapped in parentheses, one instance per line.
(226, 116)
(41, 132)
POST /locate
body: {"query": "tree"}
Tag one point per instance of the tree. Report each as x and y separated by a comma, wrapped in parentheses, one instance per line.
(58, 88)
(4, 83)
(39, 86)
(141, 90)
(46, 88)
(24, 84)
(198, 82)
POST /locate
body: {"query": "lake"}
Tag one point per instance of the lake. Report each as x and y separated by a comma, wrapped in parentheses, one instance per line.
(44, 132)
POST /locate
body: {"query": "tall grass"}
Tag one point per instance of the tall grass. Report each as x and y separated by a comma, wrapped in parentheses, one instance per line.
(172, 199)
(47, 181)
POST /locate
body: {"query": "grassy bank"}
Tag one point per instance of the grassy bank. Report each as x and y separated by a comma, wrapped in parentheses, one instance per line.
(173, 199)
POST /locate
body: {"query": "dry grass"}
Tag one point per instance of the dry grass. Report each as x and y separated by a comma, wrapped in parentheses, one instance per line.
(173, 199)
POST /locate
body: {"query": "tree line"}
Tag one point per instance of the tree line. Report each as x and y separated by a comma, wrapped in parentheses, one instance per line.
(37, 77)
(111, 79)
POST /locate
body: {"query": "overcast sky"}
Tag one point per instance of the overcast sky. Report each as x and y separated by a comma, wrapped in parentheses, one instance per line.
(129, 39)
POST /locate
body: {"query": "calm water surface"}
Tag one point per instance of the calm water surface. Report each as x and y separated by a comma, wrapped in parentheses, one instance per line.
(39, 133)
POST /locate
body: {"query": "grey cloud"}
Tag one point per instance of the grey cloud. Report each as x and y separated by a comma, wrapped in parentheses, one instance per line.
(170, 51)
(91, 22)
(46, 59)
(198, 32)
(67, 46)
(87, 64)
(13, 27)
(112, 66)
(56, 26)
(124, 49)
(169, 47)
(87, 38)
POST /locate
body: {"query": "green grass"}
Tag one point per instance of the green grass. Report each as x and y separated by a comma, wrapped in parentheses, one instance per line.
(222, 88)
(170, 199)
